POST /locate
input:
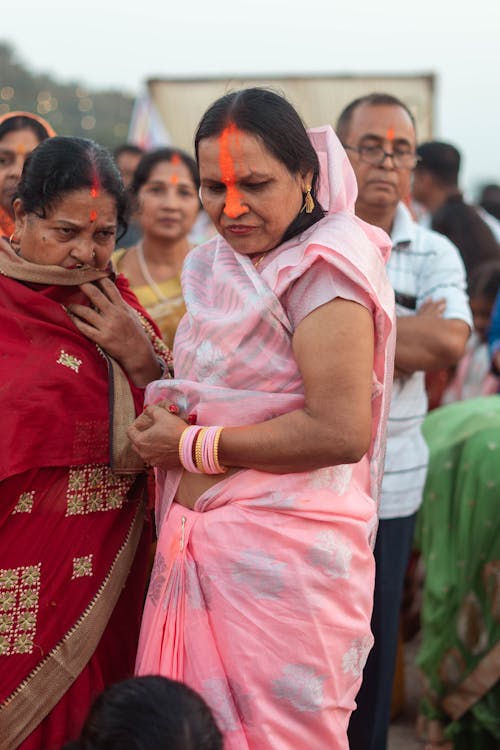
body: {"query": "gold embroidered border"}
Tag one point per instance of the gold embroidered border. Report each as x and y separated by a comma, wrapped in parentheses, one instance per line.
(124, 459)
(23, 711)
(475, 685)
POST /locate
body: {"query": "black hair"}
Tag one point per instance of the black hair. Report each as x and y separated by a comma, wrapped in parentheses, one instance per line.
(485, 280)
(127, 148)
(462, 224)
(271, 118)
(23, 122)
(490, 199)
(375, 99)
(441, 159)
(62, 165)
(149, 713)
(152, 158)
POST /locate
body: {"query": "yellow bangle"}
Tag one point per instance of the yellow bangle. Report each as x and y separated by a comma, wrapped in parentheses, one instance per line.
(220, 469)
(198, 455)
(181, 441)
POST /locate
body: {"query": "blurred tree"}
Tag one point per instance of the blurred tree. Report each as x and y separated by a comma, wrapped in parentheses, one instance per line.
(71, 108)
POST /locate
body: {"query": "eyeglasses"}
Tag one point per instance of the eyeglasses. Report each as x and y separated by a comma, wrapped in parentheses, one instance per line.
(375, 155)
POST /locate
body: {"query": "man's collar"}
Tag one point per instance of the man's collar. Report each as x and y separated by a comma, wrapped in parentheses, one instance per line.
(403, 228)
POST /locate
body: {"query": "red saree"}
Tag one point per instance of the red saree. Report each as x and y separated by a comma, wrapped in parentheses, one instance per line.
(73, 550)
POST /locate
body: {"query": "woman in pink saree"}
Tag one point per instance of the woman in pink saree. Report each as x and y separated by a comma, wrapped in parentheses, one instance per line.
(261, 592)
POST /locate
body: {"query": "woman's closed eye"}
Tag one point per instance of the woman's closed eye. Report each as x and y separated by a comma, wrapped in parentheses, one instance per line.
(255, 185)
(105, 235)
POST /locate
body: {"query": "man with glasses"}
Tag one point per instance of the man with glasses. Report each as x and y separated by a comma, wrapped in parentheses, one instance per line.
(433, 325)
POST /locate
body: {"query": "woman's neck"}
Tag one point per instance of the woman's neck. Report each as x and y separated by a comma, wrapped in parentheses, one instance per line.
(161, 254)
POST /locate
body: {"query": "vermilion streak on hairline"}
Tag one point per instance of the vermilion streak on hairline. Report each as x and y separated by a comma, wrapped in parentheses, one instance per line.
(234, 206)
(94, 193)
(175, 161)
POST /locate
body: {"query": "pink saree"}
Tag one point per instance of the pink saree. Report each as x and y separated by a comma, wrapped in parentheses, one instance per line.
(261, 596)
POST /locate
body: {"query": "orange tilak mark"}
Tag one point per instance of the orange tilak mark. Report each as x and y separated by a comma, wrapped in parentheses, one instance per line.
(174, 179)
(233, 207)
(96, 186)
(21, 149)
(93, 216)
(390, 134)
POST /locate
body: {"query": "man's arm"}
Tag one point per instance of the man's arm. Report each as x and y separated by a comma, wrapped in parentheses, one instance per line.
(436, 336)
(428, 343)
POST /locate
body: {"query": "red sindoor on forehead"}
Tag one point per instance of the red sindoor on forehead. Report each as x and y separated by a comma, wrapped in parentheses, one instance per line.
(390, 134)
(93, 216)
(95, 189)
(233, 207)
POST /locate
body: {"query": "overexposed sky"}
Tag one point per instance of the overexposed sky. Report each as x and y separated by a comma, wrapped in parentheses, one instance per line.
(120, 43)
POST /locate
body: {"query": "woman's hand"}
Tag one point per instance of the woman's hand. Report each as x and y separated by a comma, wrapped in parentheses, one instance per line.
(115, 327)
(155, 435)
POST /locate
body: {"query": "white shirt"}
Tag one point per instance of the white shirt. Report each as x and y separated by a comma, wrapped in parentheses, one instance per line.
(423, 264)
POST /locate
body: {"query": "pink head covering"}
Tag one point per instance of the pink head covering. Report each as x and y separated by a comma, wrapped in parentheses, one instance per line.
(30, 116)
(338, 189)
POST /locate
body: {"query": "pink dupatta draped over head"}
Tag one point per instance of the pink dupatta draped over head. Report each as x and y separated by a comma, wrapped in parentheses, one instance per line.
(261, 596)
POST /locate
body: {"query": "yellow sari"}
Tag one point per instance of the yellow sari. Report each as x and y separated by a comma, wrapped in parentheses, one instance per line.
(164, 302)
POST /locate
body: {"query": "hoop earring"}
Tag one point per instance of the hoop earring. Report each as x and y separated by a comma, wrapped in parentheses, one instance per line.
(308, 206)
(14, 244)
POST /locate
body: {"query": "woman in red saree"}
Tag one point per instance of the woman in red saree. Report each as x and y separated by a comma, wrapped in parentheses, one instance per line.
(76, 353)
(20, 133)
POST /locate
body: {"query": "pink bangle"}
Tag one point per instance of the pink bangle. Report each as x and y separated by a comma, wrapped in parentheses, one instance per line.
(208, 451)
(210, 456)
(186, 443)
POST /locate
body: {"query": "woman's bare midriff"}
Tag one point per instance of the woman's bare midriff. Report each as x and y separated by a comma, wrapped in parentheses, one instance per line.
(192, 486)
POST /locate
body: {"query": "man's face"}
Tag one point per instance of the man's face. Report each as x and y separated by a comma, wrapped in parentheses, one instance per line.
(389, 127)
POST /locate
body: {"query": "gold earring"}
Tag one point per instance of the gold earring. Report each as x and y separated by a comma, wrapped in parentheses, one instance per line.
(308, 206)
(14, 243)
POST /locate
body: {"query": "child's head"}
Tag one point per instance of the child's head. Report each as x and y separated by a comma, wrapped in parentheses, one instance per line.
(484, 284)
(149, 713)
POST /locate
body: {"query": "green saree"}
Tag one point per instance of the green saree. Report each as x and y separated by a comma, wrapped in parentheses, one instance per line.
(458, 534)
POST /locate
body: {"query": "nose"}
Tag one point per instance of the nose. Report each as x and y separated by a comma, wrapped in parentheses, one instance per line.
(233, 207)
(83, 251)
(171, 198)
(383, 163)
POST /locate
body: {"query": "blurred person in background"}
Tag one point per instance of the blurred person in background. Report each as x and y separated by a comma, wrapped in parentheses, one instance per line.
(473, 376)
(436, 188)
(20, 133)
(458, 536)
(164, 192)
(127, 157)
(489, 200)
